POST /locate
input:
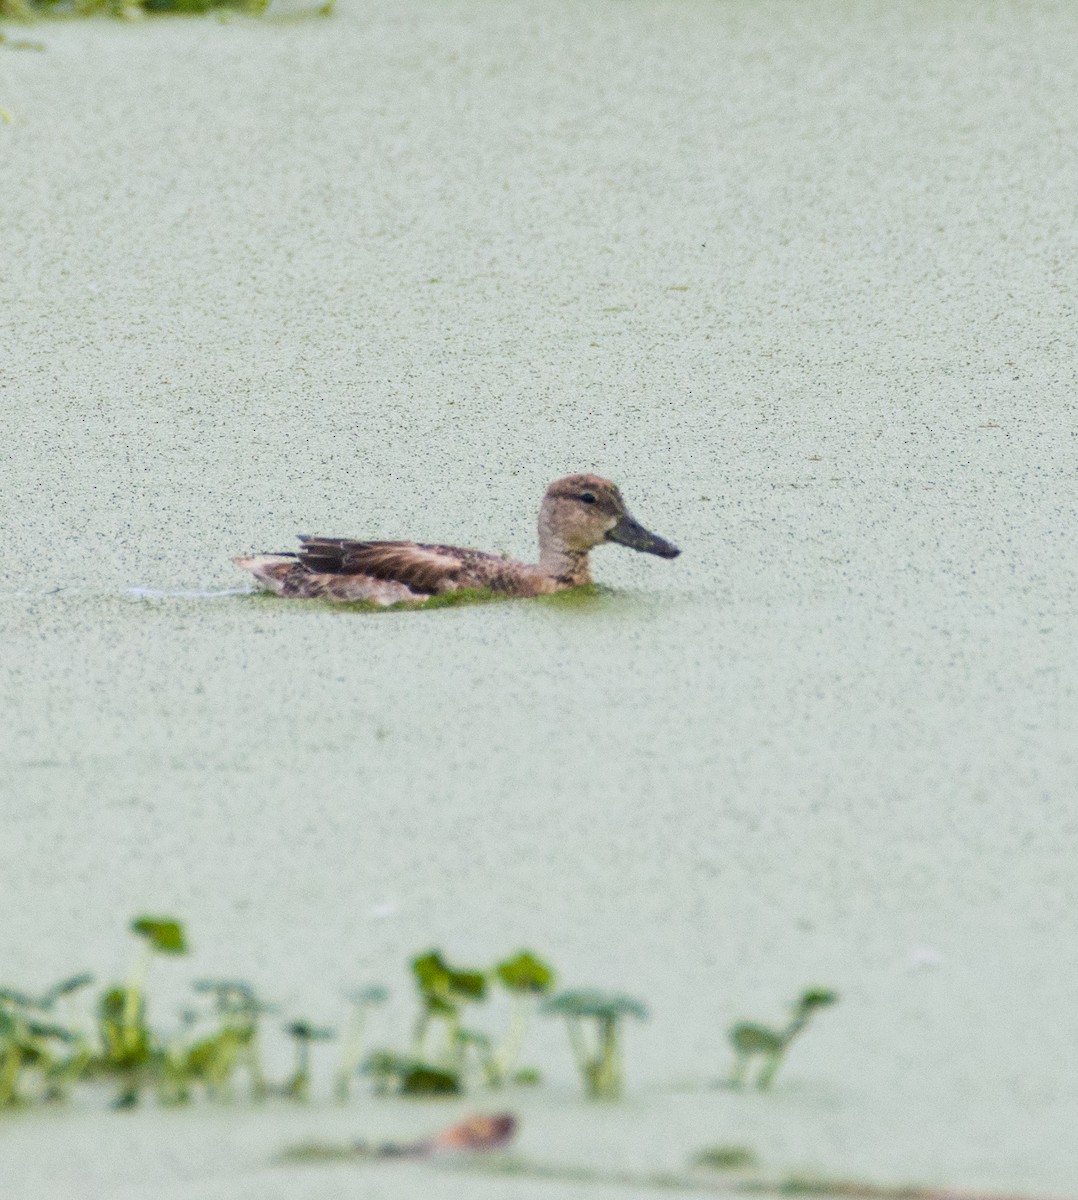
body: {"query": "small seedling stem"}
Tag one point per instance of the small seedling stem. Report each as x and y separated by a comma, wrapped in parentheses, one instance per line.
(9, 1074)
(299, 1084)
(506, 1056)
(136, 985)
(608, 1061)
(579, 1044)
(351, 1052)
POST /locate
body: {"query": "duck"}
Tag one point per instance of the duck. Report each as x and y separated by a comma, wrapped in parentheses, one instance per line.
(577, 514)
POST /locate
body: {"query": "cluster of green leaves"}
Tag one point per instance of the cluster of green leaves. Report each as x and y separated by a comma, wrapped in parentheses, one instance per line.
(46, 1049)
(461, 1054)
(446, 1055)
(753, 1042)
(598, 1054)
(40, 1057)
(42, 1060)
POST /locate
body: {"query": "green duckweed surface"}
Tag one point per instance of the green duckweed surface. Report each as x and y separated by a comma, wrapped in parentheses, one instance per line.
(800, 278)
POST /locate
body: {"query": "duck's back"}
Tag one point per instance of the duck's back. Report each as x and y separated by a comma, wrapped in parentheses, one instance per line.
(390, 572)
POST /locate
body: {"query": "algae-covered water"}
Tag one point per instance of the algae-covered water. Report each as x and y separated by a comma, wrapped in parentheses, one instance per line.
(801, 279)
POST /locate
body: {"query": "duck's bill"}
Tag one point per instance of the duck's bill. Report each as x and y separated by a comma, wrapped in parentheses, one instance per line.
(628, 532)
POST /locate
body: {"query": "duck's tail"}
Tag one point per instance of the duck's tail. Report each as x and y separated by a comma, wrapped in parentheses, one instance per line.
(271, 570)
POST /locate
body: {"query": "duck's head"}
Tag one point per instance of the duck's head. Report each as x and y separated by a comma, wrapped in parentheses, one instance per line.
(582, 511)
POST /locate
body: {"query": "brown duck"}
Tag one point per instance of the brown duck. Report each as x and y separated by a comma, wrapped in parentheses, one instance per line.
(578, 513)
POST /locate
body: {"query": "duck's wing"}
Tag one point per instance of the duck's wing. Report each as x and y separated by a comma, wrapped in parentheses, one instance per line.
(421, 567)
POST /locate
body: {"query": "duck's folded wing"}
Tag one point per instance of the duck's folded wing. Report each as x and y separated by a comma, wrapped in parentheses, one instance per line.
(421, 567)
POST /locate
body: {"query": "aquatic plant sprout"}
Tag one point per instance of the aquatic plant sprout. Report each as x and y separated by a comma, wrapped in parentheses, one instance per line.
(236, 1044)
(42, 1058)
(161, 935)
(443, 990)
(474, 1044)
(352, 1043)
(215, 1042)
(726, 1158)
(526, 978)
(303, 1034)
(751, 1041)
(397, 1074)
(64, 989)
(599, 1061)
(35, 1054)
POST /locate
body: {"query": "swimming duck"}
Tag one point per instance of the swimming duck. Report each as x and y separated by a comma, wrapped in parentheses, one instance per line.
(578, 513)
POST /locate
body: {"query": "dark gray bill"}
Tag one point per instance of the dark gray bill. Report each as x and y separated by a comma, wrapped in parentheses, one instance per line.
(629, 532)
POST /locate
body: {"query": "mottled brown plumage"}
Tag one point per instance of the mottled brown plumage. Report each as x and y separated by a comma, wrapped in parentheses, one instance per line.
(577, 514)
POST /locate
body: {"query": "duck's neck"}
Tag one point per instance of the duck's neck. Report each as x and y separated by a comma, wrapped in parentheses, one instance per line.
(569, 567)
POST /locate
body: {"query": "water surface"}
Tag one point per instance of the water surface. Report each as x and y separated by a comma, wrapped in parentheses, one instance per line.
(798, 278)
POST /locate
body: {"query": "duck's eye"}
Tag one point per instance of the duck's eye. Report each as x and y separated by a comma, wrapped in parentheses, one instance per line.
(588, 498)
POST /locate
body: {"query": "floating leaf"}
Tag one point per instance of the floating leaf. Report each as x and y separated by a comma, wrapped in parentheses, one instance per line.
(14, 999)
(164, 934)
(439, 1006)
(726, 1158)
(756, 1039)
(590, 1003)
(65, 987)
(374, 994)
(233, 997)
(305, 1032)
(430, 1081)
(238, 986)
(525, 973)
(43, 1030)
(438, 980)
(816, 998)
(411, 1077)
(431, 973)
(111, 1004)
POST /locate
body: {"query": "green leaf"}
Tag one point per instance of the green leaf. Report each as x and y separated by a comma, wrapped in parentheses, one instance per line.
(43, 1030)
(816, 998)
(14, 999)
(112, 1003)
(374, 994)
(726, 1158)
(525, 973)
(431, 973)
(755, 1039)
(440, 982)
(471, 985)
(411, 1077)
(305, 1032)
(237, 987)
(164, 934)
(590, 1003)
(385, 1062)
(65, 987)
(430, 1081)
(233, 997)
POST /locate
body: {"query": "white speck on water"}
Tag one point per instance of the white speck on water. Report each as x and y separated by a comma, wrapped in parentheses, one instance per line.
(924, 958)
